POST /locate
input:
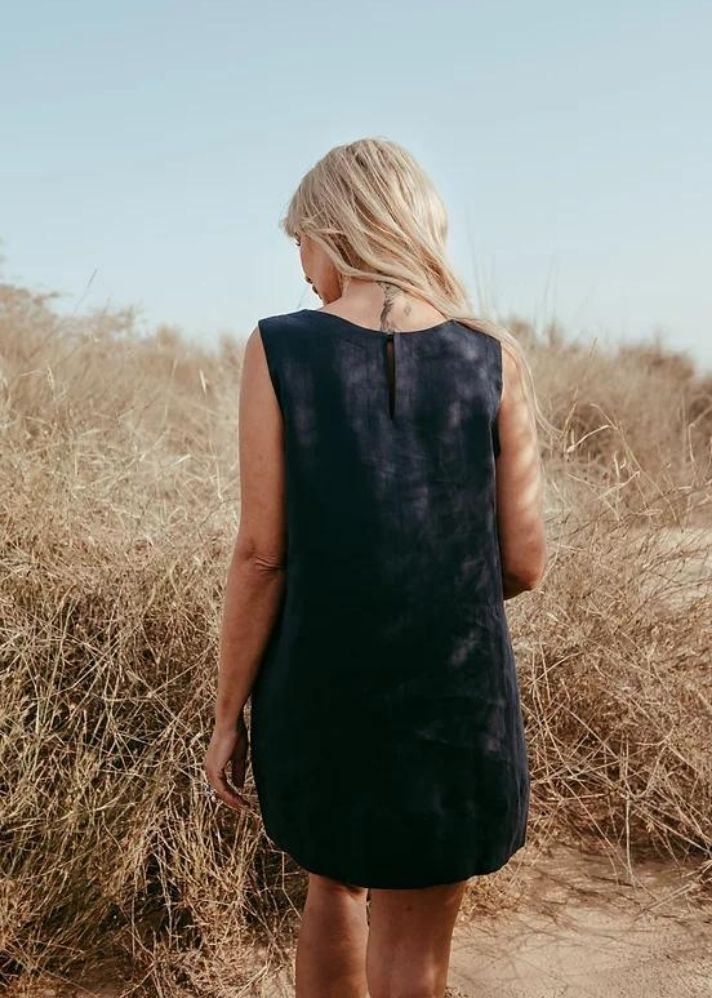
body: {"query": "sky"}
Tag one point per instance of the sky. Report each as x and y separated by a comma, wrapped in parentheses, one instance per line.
(148, 151)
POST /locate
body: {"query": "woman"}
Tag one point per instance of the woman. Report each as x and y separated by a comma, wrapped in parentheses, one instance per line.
(391, 502)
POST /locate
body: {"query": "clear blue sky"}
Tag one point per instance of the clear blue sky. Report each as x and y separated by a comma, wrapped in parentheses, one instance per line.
(147, 151)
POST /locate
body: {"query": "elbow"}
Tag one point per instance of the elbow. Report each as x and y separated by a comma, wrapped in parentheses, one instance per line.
(529, 580)
(256, 558)
(528, 575)
(522, 581)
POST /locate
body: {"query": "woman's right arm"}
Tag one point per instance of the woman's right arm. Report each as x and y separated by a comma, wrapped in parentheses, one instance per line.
(520, 486)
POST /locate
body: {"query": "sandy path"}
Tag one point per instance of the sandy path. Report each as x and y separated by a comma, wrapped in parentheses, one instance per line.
(582, 932)
(578, 929)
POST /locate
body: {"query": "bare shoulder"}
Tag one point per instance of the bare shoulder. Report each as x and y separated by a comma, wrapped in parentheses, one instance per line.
(512, 375)
(260, 372)
(253, 356)
(254, 344)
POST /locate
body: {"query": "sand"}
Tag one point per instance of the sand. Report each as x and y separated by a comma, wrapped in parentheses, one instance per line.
(581, 931)
(576, 928)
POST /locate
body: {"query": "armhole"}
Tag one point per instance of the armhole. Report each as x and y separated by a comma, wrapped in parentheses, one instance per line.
(266, 335)
(498, 385)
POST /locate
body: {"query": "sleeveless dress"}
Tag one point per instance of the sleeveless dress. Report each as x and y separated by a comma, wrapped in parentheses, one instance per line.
(386, 733)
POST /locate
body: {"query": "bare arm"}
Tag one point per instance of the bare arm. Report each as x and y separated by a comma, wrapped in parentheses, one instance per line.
(519, 486)
(257, 570)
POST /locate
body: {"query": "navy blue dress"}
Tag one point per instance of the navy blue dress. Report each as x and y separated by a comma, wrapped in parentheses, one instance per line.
(386, 733)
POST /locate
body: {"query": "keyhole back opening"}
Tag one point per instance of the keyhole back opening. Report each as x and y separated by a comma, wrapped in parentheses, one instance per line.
(391, 373)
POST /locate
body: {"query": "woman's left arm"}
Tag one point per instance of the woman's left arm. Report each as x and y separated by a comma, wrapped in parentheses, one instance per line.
(257, 571)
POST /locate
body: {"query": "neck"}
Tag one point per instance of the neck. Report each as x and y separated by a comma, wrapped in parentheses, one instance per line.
(397, 309)
(372, 294)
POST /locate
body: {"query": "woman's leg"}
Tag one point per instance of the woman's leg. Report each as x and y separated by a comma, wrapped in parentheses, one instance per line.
(331, 949)
(408, 951)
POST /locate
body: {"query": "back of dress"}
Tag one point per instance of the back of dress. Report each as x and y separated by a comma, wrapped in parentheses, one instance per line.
(387, 739)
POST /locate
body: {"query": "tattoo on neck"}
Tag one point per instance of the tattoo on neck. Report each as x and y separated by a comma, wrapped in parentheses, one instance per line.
(391, 292)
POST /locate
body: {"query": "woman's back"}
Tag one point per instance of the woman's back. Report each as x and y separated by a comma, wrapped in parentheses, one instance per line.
(390, 501)
(387, 738)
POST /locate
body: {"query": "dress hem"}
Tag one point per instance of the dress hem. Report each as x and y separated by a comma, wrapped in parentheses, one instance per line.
(467, 871)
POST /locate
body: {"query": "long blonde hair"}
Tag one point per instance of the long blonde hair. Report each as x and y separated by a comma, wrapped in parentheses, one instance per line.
(377, 215)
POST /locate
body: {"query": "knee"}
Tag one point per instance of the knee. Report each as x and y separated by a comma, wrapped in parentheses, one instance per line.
(327, 886)
(403, 980)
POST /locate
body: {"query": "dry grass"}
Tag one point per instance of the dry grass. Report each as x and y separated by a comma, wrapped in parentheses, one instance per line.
(119, 508)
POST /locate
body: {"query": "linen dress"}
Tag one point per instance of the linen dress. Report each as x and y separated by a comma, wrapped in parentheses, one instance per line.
(386, 734)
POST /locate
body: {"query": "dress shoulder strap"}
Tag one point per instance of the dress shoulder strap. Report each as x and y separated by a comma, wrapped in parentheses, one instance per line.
(278, 333)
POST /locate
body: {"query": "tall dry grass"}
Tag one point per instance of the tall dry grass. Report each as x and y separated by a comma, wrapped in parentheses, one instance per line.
(119, 507)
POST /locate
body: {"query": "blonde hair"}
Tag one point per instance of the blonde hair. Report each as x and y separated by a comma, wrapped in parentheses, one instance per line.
(377, 216)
